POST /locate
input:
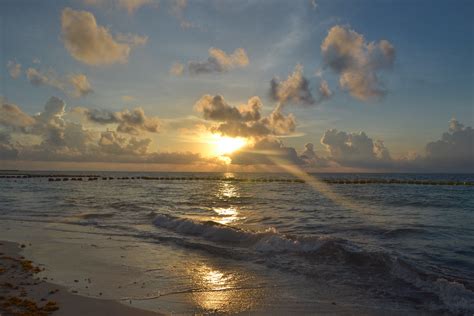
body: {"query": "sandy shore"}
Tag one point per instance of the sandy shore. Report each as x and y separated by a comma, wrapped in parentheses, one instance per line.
(22, 292)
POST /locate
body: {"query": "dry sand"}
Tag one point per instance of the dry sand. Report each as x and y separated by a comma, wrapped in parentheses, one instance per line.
(23, 293)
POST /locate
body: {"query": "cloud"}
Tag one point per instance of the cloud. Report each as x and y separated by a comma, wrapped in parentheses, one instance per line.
(454, 152)
(177, 69)
(311, 159)
(245, 120)
(14, 69)
(455, 149)
(13, 117)
(132, 5)
(355, 149)
(129, 122)
(279, 123)
(215, 108)
(52, 137)
(54, 109)
(7, 150)
(75, 85)
(177, 9)
(66, 141)
(93, 44)
(37, 78)
(324, 90)
(49, 125)
(272, 151)
(357, 62)
(219, 61)
(265, 151)
(81, 85)
(112, 143)
(295, 89)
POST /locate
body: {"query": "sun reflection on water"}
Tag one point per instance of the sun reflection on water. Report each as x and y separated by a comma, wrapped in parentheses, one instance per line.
(214, 285)
(222, 292)
(226, 215)
(228, 190)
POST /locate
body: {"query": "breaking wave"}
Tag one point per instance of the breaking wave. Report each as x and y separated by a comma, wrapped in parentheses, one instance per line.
(452, 295)
(268, 240)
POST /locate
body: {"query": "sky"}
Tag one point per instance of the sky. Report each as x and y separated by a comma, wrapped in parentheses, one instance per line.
(218, 85)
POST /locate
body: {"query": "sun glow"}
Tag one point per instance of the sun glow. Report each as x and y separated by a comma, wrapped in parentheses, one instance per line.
(226, 145)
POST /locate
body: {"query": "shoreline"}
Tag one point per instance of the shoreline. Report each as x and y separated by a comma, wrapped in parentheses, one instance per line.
(23, 292)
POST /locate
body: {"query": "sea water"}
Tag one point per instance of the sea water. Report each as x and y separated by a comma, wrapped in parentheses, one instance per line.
(205, 246)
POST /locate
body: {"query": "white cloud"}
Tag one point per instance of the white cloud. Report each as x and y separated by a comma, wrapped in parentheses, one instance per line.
(357, 62)
(13, 117)
(81, 85)
(75, 85)
(93, 44)
(219, 61)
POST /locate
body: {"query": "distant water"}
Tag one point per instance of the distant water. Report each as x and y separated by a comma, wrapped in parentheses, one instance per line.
(400, 243)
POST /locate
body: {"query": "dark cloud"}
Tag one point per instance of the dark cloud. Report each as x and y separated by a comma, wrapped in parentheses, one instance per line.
(311, 159)
(356, 149)
(454, 152)
(245, 120)
(296, 89)
(455, 149)
(63, 140)
(7, 149)
(132, 122)
(268, 151)
(272, 151)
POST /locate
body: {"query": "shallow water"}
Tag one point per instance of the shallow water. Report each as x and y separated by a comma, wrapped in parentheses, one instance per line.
(246, 246)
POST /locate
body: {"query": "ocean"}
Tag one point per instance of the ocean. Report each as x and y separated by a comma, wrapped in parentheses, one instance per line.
(245, 246)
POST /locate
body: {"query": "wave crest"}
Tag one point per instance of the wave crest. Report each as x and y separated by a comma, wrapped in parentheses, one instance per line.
(453, 295)
(268, 240)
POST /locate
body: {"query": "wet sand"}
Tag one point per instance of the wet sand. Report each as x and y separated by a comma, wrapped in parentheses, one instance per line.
(22, 292)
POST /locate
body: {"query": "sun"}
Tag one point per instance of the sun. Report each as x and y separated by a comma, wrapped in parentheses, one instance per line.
(225, 145)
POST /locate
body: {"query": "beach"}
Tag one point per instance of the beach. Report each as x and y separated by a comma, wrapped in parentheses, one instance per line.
(24, 292)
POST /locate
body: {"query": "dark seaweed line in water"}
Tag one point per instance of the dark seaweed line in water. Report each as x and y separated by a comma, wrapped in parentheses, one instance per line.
(56, 177)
